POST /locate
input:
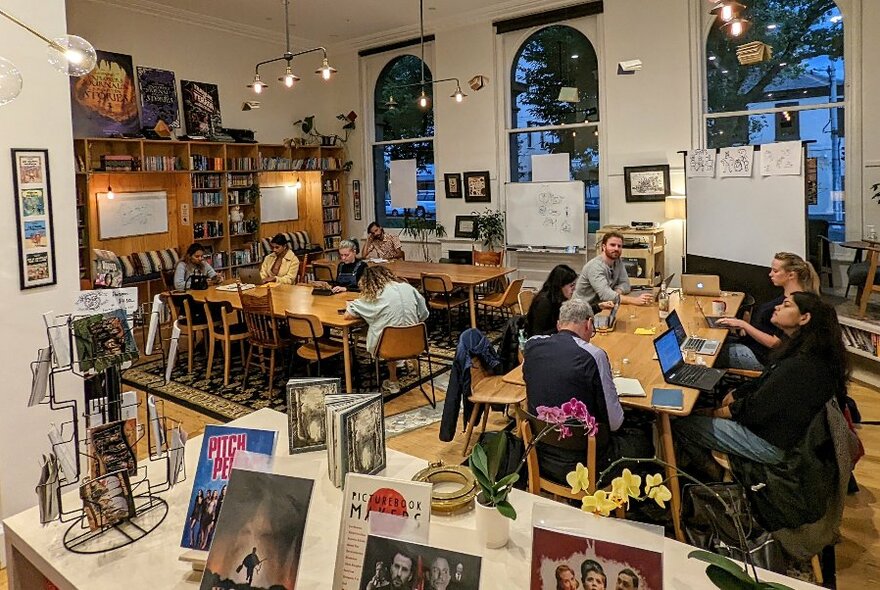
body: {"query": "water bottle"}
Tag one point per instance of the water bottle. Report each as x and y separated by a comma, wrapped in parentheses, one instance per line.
(663, 301)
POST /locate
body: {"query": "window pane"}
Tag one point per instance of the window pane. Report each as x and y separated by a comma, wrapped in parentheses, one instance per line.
(405, 119)
(806, 67)
(582, 145)
(824, 126)
(554, 79)
(423, 153)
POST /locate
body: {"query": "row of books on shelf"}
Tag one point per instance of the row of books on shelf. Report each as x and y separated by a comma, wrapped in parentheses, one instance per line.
(206, 181)
(249, 255)
(330, 185)
(276, 163)
(241, 163)
(317, 164)
(207, 199)
(331, 214)
(161, 163)
(239, 180)
(119, 163)
(198, 162)
(240, 198)
(330, 200)
(217, 260)
(332, 227)
(207, 229)
(332, 242)
(238, 228)
(862, 339)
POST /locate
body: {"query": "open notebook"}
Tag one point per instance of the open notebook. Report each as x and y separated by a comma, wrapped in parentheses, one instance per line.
(629, 387)
(235, 286)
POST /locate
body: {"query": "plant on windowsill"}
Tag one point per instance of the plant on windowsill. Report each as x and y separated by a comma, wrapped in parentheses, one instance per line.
(421, 229)
(489, 226)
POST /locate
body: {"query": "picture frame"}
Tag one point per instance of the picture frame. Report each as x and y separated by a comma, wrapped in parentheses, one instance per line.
(476, 187)
(452, 183)
(645, 184)
(33, 212)
(356, 199)
(466, 226)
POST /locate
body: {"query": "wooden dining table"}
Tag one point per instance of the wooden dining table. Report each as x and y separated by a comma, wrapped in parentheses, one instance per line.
(638, 350)
(299, 299)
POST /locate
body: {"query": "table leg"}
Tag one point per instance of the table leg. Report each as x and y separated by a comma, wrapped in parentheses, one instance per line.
(346, 357)
(669, 456)
(869, 281)
(473, 305)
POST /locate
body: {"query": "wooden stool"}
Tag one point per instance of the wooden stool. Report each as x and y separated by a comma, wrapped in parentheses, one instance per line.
(489, 389)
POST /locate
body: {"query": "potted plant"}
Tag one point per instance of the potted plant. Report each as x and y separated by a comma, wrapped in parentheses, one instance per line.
(311, 135)
(421, 229)
(490, 228)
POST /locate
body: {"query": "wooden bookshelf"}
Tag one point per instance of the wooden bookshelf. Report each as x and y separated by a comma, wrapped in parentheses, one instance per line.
(862, 339)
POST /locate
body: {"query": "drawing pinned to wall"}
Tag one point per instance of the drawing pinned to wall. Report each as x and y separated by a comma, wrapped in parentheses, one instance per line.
(736, 161)
(700, 163)
(783, 158)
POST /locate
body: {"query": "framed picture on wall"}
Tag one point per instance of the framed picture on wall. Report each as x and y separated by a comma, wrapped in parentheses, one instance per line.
(33, 213)
(452, 182)
(646, 183)
(356, 199)
(466, 226)
(476, 187)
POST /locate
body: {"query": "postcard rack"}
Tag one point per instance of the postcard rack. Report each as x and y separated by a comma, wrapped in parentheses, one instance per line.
(96, 524)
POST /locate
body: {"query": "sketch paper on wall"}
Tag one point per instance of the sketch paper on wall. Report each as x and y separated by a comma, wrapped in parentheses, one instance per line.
(700, 163)
(783, 158)
(736, 161)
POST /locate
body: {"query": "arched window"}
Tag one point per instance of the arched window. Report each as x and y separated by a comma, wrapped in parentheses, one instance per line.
(554, 101)
(798, 92)
(404, 130)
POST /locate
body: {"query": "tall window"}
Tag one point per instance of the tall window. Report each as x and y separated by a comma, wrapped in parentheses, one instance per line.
(404, 131)
(555, 108)
(798, 94)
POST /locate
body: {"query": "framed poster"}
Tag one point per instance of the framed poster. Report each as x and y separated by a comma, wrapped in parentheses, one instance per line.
(476, 187)
(452, 182)
(201, 107)
(158, 94)
(466, 226)
(33, 213)
(646, 183)
(103, 102)
(356, 199)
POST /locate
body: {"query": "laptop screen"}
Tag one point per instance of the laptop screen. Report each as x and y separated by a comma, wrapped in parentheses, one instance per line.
(668, 351)
(675, 325)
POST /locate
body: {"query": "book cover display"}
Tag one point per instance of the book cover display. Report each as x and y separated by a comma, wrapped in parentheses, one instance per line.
(355, 435)
(111, 447)
(394, 564)
(367, 494)
(158, 95)
(259, 533)
(104, 100)
(201, 107)
(104, 340)
(107, 499)
(306, 410)
(219, 445)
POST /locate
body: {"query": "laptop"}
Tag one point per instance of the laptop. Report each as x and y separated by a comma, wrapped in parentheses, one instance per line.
(685, 342)
(677, 372)
(708, 285)
(322, 292)
(605, 323)
(655, 291)
(711, 320)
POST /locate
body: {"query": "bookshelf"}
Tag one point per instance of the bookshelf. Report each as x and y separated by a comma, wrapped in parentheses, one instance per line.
(213, 194)
(862, 339)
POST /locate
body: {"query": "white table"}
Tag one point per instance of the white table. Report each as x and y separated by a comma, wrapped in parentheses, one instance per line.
(34, 552)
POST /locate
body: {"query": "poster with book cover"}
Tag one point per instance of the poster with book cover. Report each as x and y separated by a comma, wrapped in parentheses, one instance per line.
(104, 101)
(305, 411)
(158, 95)
(394, 563)
(259, 533)
(219, 446)
(201, 107)
(368, 494)
(355, 435)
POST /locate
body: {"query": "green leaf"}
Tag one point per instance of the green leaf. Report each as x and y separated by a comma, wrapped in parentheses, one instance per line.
(508, 480)
(722, 562)
(495, 451)
(506, 509)
(479, 461)
(725, 580)
(773, 586)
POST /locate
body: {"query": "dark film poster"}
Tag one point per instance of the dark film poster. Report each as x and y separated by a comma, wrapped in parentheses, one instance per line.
(201, 107)
(158, 92)
(104, 101)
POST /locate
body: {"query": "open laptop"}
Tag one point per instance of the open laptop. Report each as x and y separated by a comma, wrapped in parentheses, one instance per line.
(321, 292)
(711, 320)
(605, 323)
(676, 371)
(708, 285)
(655, 290)
(685, 342)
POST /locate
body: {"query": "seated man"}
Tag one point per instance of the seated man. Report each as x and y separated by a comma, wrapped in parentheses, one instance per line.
(281, 265)
(604, 277)
(381, 245)
(564, 365)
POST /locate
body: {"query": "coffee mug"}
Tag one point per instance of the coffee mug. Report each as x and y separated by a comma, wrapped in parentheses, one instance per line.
(718, 307)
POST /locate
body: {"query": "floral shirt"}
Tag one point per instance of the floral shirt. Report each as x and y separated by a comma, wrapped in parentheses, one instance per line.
(387, 247)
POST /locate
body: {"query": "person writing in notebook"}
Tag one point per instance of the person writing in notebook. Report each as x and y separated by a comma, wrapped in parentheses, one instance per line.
(381, 245)
(281, 265)
(349, 271)
(604, 277)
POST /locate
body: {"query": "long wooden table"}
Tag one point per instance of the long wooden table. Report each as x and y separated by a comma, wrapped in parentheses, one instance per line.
(299, 299)
(639, 350)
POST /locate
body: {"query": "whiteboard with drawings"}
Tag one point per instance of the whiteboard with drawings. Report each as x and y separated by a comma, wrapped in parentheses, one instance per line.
(132, 214)
(545, 214)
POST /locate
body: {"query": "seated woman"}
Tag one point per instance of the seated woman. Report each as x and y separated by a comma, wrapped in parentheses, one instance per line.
(557, 289)
(386, 301)
(761, 336)
(281, 265)
(192, 264)
(349, 271)
(764, 418)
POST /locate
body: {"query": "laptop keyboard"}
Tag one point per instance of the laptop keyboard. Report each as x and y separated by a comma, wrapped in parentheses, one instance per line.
(689, 374)
(694, 343)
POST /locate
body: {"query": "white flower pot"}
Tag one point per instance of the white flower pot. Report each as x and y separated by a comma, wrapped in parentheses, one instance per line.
(493, 527)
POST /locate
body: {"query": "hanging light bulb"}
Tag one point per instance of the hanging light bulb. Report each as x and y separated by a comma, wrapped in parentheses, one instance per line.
(458, 95)
(325, 70)
(10, 81)
(736, 27)
(110, 194)
(72, 55)
(728, 10)
(390, 104)
(298, 184)
(289, 78)
(258, 85)
(423, 100)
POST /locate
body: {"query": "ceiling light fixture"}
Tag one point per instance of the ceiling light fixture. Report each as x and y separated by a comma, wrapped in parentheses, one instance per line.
(289, 78)
(736, 27)
(728, 10)
(110, 194)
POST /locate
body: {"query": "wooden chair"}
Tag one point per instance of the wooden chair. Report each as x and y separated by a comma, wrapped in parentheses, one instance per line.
(487, 389)
(397, 343)
(316, 347)
(441, 294)
(525, 298)
(224, 326)
(503, 302)
(303, 268)
(489, 258)
(264, 332)
(190, 318)
(823, 258)
(323, 272)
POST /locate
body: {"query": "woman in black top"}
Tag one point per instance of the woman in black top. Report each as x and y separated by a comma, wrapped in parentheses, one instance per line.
(349, 271)
(766, 417)
(544, 311)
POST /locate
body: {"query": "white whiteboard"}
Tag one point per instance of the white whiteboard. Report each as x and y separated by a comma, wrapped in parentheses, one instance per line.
(132, 214)
(278, 203)
(746, 219)
(545, 214)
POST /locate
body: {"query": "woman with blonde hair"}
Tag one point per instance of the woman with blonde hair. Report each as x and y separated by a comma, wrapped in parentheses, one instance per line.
(386, 301)
(760, 336)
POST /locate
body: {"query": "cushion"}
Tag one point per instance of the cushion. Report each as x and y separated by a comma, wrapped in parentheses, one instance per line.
(127, 267)
(169, 258)
(858, 272)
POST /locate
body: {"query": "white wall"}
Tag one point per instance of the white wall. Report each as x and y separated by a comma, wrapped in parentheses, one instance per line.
(39, 118)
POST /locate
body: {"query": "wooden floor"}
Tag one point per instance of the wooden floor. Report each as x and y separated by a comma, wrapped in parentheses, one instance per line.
(858, 554)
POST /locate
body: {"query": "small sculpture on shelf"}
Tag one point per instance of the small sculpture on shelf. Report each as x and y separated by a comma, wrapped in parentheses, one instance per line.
(235, 215)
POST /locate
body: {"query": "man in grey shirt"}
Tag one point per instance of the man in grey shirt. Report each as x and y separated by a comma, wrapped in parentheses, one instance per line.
(604, 277)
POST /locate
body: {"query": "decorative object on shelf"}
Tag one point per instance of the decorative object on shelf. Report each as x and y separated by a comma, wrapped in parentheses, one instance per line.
(289, 78)
(311, 135)
(235, 214)
(466, 226)
(477, 188)
(33, 210)
(489, 228)
(421, 229)
(68, 54)
(356, 198)
(201, 107)
(452, 183)
(456, 500)
(158, 96)
(104, 102)
(646, 183)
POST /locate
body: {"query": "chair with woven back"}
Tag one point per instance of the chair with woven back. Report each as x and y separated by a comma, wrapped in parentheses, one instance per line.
(504, 301)
(441, 294)
(189, 315)
(224, 326)
(308, 329)
(398, 343)
(265, 332)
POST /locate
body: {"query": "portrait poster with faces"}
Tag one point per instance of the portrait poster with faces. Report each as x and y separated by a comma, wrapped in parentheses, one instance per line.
(33, 210)
(397, 564)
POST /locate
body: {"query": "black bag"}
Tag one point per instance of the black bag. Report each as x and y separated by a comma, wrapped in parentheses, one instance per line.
(198, 282)
(512, 458)
(709, 525)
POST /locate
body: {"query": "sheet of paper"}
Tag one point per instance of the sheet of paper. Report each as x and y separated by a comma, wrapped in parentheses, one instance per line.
(402, 186)
(551, 167)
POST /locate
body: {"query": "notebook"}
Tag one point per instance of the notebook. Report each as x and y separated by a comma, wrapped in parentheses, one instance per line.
(628, 387)
(322, 292)
(668, 399)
